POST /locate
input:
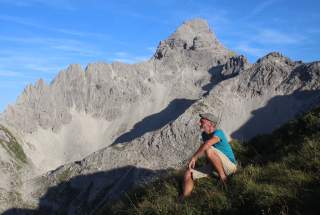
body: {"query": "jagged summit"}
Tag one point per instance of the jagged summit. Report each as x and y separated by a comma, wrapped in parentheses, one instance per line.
(273, 54)
(196, 25)
(274, 58)
(235, 65)
(267, 74)
(193, 32)
(275, 72)
(193, 35)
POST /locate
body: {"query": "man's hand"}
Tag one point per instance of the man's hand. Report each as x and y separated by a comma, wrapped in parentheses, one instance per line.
(192, 163)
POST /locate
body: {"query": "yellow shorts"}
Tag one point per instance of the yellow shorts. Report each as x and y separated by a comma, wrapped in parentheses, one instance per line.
(228, 166)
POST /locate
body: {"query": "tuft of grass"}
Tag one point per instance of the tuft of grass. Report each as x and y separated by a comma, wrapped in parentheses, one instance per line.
(64, 176)
(232, 54)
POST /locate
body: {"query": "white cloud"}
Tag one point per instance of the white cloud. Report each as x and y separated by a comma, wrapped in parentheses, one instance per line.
(81, 33)
(261, 7)
(151, 49)
(253, 51)
(31, 23)
(59, 4)
(83, 49)
(126, 57)
(13, 84)
(26, 65)
(121, 54)
(217, 18)
(49, 69)
(8, 74)
(257, 41)
(131, 60)
(77, 47)
(272, 36)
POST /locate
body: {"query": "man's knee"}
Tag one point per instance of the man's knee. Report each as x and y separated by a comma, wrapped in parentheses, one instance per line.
(210, 153)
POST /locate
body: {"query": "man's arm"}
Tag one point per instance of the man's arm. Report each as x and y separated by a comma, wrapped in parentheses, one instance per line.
(202, 149)
(206, 146)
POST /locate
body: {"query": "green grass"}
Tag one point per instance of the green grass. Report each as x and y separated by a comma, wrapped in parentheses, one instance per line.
(279, 174)
(64, 176)
(13, 147)
(232, 54)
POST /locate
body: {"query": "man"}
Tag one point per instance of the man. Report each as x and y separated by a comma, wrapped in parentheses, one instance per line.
(217, 150)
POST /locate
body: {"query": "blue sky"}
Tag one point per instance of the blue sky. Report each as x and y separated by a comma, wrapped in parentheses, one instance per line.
(38, 38)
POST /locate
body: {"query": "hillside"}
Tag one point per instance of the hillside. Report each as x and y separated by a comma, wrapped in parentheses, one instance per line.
(280, 174)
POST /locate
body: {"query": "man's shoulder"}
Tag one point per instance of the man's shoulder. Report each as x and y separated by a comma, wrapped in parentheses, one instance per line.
(217, 132)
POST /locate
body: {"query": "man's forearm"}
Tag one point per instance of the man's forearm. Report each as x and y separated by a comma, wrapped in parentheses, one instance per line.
(199, 152)
(205, 146)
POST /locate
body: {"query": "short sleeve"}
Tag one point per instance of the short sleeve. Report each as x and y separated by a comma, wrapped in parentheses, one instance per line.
(218, 134)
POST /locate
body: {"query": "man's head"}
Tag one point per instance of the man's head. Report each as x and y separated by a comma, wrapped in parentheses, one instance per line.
(208, 122)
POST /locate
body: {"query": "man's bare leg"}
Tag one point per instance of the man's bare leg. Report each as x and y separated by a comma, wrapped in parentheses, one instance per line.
(188, 183)
(214, 158)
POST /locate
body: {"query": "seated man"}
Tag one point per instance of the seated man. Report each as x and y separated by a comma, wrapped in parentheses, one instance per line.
(217, 150)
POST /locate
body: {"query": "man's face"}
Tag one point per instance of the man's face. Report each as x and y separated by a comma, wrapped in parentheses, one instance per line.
(206, 125)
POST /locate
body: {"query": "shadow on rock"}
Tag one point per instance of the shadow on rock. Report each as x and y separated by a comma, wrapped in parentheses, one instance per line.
(156, 121)
(85, 194)
(216, 77)
(172, 111)
(278, 111)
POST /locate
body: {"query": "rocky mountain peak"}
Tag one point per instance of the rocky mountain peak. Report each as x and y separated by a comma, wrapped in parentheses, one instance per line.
(74, 70)
(194, 35)
(191, 29)
(40, 84)
(268, 74)
(275, 58)
(234, 65)
(315, 66)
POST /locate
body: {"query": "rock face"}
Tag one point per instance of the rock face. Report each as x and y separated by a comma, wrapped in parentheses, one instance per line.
(142, 119)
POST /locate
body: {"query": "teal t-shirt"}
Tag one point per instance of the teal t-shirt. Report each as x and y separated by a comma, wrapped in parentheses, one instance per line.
(222, 145)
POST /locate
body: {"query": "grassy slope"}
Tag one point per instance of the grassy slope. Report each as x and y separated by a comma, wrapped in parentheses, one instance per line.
(280, 174)
(13, 147)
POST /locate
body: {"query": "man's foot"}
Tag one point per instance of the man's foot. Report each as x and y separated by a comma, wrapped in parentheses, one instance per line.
(223, 183)
(224, 180)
